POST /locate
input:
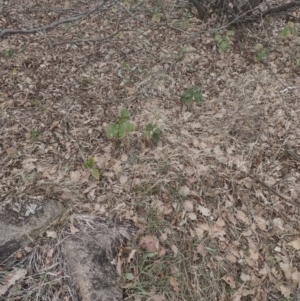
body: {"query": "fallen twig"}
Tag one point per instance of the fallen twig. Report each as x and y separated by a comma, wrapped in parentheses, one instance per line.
(273, 190)
(52, 25)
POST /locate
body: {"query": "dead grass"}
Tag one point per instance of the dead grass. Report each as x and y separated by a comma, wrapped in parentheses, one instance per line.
(222, 235)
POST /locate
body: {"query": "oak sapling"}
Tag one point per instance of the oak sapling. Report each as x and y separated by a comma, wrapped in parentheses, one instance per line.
(190, 95)
(152, 133)
(90, 165)
(122, 127)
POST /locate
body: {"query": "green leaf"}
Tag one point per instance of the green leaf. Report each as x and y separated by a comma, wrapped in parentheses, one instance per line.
(129, 276)
(129, 126)
(95, 173)
(122, 130)
(89, 163)
(124, 114)
(149, 127)
(156, 135)
(191, 94)
(112, 131)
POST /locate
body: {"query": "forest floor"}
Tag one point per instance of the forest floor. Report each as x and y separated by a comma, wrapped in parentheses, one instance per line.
(215, 200)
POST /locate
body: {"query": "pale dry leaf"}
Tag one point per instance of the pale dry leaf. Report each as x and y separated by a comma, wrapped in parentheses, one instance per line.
(73, 229)
(28, 166)
(286, 291)
(201, 250)
(162, 252)
(192, 216)
(278, 222)
(175, 250)
(184, 191)
(261, 223)
(119, 265)
(163, 237)
(10, 279)
(295, 244)
(287, 269)
(230, 280)
(296, 276)
(149, 243)
(231, 258)
(188, 206)
(158, 297)
(174, 283)
(204, 211)
(51, 234)
(50, 252)
(241, 215)
(220, 222)
(75, 176)
(124, 158)
(199, 232)
(244, 277)
(131, 255)
(123, 179)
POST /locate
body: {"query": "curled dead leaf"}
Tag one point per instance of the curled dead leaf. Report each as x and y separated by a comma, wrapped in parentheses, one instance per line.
(149, 243)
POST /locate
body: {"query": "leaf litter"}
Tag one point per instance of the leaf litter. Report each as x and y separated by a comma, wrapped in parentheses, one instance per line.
(207, 226)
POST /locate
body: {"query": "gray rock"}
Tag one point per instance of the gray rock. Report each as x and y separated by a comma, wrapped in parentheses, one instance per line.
(89, 254)
(14, 235)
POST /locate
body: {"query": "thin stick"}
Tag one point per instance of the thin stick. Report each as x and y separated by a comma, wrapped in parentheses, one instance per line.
(273, 190)
(52, 25)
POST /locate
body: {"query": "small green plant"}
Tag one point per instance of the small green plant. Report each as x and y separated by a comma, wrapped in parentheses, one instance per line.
(286, 32)
(261, 52)
(152, 132)
(122, 127)
(223, 42)
(190, 95)
(90, 165)
(297, 62)
(34, 134)
(10, 52)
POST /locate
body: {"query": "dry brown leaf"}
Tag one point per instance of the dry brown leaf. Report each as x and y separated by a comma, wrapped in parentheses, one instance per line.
(73, 229)
(175, 250)
(201, 250)
(51, 234)
(123, 179)
(184, 191)
(204, 211)
(295, 244)
(163, 237)
(159, 297)
(286, 291)
(192, 216)
(261, 223)
(10, 279)
(231, 258)
(188, 206)
(174, 283)
(230, 280)
(149, 243)
(242, 217)
(244, 277)
(131, 255)
(75, 176)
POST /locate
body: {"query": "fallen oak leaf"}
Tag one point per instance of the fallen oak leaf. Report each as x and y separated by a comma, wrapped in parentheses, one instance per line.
(149, 243)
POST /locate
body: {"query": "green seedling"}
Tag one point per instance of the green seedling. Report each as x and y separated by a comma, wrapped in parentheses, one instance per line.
(34, 134)
(261, 52)
(10, 52)
(190, 95)
(223, 41)
(122, 127)
(152, 132)
(90, 165)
